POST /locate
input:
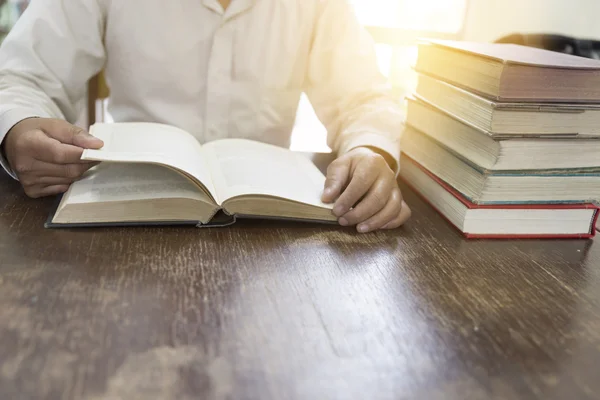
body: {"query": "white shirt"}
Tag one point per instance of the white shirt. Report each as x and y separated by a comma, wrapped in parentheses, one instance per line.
(215, 73)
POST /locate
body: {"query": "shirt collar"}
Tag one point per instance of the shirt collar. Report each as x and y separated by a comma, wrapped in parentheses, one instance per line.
(236, 7)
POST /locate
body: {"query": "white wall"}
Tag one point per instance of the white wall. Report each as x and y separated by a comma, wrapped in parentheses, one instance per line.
(488, 20)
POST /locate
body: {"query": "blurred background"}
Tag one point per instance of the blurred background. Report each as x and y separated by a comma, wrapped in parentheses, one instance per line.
(10, 10)
(397, 24)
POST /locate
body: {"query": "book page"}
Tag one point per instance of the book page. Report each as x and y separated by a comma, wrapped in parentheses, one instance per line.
(243, 167)
(110, 182)
(152, 143)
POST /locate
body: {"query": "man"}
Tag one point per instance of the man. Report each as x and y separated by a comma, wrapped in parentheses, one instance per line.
(216, 68)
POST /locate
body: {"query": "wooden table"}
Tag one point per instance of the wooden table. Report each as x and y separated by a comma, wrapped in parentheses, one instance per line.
(270, 310)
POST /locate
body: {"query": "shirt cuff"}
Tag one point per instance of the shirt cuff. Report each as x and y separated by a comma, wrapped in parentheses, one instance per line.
(7, 120)
(374, 140)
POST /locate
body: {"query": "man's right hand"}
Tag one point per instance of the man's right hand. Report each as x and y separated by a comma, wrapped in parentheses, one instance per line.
(46, 154)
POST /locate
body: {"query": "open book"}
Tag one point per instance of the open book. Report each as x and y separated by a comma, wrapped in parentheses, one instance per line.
(153, 173)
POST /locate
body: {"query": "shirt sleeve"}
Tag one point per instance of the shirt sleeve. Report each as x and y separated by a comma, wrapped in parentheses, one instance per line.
(46, 61)
(346, 88)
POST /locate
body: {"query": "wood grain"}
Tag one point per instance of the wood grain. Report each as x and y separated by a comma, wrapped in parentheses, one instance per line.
(270, 310)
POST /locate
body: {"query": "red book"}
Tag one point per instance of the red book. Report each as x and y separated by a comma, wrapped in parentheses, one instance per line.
(500, 221)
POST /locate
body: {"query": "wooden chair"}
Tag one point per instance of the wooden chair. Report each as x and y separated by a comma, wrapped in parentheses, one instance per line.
(98, 91)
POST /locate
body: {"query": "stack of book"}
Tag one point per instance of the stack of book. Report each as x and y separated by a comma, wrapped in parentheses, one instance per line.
(504, 140)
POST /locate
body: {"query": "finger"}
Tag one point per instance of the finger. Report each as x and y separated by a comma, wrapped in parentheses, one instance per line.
(32, 180)
(42, 190)
(375, 200)
(72, 171)
(361, 181)
(401, 219)
(387, 214)
(67, 133)
(337, 177)
(52, 151)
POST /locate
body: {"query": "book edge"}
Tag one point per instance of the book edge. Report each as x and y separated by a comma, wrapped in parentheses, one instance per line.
(222, 222)
(467, 235)
(514, 206)
(448, 44)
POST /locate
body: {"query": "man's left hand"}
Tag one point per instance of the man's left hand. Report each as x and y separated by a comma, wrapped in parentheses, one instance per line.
(365, 192)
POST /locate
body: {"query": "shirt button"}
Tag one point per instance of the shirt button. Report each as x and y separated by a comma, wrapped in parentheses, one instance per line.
(213, 132)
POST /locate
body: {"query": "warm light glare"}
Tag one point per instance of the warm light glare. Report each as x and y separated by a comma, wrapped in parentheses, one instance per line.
(422, 15)
(395, 62)
(432, 15)
(377, 12)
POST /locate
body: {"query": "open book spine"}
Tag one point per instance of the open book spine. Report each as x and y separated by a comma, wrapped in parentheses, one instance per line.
(470, 205)
(218, 220)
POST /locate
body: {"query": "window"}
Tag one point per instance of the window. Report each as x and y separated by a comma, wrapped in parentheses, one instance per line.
(395, 25)
(418, 15)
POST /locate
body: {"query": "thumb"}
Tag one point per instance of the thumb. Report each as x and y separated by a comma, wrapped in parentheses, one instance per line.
(67, 133)
(337, 178)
